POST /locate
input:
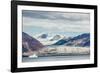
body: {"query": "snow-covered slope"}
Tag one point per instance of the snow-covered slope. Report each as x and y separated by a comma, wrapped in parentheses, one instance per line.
(50, 39)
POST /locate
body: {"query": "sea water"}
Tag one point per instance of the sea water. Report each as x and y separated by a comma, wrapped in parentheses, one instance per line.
(55, 58)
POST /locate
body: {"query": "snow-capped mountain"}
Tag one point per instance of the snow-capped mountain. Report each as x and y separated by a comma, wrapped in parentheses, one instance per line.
(80, 40)
(43, 36)
(57, 37)
(49, 39)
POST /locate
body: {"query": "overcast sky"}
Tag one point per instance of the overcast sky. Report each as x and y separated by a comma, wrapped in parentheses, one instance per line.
(35, 22)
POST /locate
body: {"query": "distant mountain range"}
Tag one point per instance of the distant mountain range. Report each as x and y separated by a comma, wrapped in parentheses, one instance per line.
(30, 44)
(82, 40)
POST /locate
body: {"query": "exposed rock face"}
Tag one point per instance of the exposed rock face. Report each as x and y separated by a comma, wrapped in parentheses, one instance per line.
(43, 36)
(82, 40)
(30, 44)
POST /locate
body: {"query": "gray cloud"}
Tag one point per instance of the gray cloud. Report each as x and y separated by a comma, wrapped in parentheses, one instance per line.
(56, 15)
(57, 21)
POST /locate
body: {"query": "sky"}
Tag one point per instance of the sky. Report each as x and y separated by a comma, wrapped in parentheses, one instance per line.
(50, 22)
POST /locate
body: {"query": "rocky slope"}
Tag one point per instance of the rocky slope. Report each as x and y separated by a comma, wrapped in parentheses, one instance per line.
(30, 44)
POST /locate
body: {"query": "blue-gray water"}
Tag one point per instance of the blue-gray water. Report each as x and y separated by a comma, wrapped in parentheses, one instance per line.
(55, 58)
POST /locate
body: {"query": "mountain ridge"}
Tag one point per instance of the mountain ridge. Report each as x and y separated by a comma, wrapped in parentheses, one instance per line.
(30, 44)
(80, 40)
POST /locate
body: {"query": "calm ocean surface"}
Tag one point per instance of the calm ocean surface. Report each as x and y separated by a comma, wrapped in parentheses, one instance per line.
(56, 58)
